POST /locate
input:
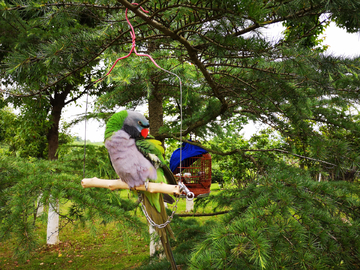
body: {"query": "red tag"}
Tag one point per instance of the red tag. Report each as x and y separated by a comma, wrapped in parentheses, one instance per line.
(145, 132)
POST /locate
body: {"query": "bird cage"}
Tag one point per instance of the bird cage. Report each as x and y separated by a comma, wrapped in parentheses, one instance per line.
(195, 168)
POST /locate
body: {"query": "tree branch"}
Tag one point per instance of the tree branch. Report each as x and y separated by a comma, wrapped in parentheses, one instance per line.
(203, 214)
(72, 71)
(65, 4)
(241, 151)
(190, 49)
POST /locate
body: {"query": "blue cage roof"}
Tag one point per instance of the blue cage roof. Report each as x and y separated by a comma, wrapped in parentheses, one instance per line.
(188, 151)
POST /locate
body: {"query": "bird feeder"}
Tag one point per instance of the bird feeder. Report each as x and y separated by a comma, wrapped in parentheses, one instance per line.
(195, 168)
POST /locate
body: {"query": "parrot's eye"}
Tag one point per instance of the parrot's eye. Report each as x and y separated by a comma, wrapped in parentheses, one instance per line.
(139, 122)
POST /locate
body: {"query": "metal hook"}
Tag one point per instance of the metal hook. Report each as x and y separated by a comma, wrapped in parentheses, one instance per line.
(189, 195)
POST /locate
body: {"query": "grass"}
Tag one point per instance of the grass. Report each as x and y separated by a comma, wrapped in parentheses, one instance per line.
(109, 248)
(80, 250)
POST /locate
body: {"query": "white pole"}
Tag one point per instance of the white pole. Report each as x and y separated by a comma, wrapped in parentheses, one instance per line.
(154, 245)
(52, 235)
(189, 205)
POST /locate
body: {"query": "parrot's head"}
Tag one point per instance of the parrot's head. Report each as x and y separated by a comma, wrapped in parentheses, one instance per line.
(134, 123)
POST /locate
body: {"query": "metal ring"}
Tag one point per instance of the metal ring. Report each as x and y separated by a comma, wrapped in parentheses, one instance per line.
(190, 196)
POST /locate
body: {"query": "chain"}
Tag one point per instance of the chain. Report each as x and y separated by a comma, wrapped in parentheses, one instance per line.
(189, 196)
(160, 226)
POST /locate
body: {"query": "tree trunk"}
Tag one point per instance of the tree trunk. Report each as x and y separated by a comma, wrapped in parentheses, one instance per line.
(57, 104)
(156, 112)
(155, 244)
(39, 207)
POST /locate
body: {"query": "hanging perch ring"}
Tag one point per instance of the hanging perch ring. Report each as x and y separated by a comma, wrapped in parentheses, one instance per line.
(189, 195)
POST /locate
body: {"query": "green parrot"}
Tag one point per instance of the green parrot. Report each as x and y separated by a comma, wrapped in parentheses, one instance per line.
(137, 158)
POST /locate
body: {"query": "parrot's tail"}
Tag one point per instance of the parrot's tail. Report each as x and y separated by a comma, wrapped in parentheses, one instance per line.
(168, 252)
(164, 233)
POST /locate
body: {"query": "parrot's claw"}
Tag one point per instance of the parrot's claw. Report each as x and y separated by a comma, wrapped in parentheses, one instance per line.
(146, 185)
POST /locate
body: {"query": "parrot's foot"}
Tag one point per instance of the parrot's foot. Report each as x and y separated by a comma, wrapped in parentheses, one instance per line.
(146, 184)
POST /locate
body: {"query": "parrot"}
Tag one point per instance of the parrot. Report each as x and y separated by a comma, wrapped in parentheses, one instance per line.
(137, 158)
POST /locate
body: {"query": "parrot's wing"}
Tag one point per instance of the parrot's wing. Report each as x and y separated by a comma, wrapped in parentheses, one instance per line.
(153, 151)
(129, 164)
(169, 175)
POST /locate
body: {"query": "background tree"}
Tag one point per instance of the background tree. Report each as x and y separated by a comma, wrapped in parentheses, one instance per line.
(241, 72)
(43, 71)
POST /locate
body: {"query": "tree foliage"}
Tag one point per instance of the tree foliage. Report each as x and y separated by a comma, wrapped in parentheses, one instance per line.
(232, 73)
(28, 183)
(41, 68)
(285, 220)
(230, 68)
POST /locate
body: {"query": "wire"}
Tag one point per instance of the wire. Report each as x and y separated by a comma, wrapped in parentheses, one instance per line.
(86, 111)
(133, 49)
(133, 37)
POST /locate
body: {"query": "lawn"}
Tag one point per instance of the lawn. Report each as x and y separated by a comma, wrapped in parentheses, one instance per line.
(109, 247)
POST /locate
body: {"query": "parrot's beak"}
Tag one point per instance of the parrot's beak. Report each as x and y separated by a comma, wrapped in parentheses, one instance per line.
(144, 132)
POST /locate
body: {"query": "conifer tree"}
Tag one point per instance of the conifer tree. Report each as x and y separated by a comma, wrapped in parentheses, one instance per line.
(42, 70)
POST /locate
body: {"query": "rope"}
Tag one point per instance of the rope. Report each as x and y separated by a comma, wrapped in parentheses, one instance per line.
(133, 49)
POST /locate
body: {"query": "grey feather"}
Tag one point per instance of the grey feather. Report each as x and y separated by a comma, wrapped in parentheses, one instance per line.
(129, 164)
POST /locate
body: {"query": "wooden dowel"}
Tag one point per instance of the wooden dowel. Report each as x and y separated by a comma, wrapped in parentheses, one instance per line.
(118, 184)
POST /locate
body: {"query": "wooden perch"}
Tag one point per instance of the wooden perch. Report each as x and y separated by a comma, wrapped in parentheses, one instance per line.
(118, 184)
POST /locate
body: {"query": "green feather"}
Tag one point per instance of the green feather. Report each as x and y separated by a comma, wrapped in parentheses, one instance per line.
(115, 123)
(154, 197)
(151, 146)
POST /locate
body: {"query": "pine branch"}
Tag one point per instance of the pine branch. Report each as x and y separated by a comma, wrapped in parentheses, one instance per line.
(71, 72)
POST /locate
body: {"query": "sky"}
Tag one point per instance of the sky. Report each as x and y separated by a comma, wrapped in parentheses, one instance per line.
(340, 43)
